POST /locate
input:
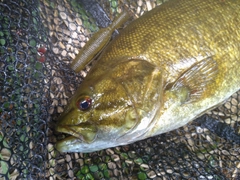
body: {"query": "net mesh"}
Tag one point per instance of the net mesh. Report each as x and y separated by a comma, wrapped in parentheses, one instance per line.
(38, 40)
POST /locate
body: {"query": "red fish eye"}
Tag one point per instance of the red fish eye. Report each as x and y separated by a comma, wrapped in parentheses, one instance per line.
(85, 103)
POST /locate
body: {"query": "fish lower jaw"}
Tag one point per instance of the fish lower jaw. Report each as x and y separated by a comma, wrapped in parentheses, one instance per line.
(73, 144)
(65, 145)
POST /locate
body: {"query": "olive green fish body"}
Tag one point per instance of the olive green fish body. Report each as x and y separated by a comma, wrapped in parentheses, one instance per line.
(163, 70)
(180, 33)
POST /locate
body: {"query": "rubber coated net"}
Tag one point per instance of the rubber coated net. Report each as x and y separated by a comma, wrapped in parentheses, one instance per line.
(38, 40)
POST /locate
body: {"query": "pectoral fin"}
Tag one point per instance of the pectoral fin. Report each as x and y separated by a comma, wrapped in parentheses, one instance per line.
(190, 86)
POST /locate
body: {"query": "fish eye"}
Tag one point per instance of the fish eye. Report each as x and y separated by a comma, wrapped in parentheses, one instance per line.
(84, 103)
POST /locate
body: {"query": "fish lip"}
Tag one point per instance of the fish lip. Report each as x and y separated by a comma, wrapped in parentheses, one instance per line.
(66, 129)
(64, 145)
(59, 128)
(87, 136)
(69, 137)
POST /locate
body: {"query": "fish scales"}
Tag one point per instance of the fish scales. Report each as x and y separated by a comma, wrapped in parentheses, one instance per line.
(164, 69)
(163, 38)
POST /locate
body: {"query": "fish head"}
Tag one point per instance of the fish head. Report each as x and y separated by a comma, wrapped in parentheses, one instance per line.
(110, 107)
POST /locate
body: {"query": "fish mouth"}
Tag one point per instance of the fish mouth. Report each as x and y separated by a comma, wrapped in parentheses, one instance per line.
(73, 144)
(84, 132)
(68, 123)
(66, 144)
(67, 129)
(77, 136)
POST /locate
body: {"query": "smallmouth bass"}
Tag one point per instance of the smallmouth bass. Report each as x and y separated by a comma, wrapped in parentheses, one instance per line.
(164, 69)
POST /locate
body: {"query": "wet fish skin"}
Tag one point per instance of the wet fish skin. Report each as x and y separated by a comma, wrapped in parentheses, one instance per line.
(164, 69)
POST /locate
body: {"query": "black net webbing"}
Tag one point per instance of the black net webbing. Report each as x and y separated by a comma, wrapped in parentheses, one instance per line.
(38, 41)
(23, 91)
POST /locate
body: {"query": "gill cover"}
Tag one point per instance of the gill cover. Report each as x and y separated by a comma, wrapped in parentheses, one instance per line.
(143, 84)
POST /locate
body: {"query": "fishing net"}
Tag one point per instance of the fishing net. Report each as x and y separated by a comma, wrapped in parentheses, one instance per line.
(38, 41)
